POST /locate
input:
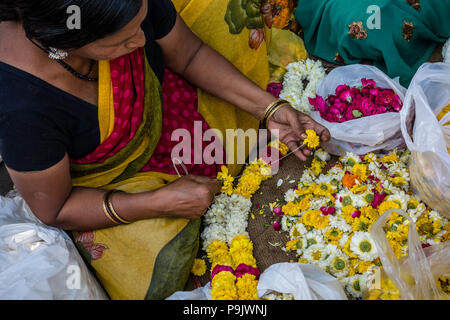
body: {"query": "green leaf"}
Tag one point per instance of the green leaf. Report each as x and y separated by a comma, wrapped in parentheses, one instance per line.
(357, 113)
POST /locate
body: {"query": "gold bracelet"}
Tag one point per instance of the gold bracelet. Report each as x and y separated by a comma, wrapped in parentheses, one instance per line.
(111, 208)
(107, 213)
(274, 110)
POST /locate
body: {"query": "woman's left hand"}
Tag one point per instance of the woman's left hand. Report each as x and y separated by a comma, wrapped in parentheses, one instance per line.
(290, 126)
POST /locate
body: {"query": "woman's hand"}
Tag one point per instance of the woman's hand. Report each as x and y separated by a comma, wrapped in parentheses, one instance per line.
(188, 197)
(291, 125)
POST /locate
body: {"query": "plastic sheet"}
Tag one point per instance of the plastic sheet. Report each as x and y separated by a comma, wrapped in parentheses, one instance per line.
(427, 95)
(38, 262)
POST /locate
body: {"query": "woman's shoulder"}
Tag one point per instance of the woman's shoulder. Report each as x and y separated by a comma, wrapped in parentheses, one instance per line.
(160, 19)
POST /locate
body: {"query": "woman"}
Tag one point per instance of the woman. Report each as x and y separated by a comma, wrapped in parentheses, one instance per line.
(398, 36)
(92, 120)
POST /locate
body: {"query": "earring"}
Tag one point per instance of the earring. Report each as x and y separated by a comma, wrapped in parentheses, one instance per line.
(57, 54)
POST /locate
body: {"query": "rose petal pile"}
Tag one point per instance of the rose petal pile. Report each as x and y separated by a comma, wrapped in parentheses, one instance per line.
(349, 103)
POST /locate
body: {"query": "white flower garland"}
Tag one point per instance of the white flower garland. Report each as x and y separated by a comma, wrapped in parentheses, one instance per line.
(293, 90)
(227, 218)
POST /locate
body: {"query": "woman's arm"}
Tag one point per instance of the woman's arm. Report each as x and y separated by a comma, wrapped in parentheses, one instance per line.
(186, 54)
(52, 199)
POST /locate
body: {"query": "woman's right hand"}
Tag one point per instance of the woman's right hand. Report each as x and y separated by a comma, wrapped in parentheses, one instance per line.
(188, 197)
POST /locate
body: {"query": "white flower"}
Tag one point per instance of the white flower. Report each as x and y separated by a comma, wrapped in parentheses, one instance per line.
(290, 195)
(363, 246)
(350, 159)
(311, 238)
(298, 231)
(293, 90)
(401, 198)
(338, 264)
(355, 286)
(318, 254)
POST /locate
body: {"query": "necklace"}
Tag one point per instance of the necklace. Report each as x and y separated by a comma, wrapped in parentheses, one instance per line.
(69, 68)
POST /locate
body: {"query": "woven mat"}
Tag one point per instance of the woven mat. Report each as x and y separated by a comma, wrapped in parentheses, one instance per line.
(268, 242)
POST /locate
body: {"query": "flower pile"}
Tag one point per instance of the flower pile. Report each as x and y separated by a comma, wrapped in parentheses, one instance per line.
(293, 88)
(328, 215)
(234, 273)
(349, 103)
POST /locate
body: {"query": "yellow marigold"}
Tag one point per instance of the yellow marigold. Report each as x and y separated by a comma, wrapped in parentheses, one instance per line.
(412, 203)
(292, 245)
(347, 213)
(387, 205)
(396, 247)
(312, 140)
(389, 158)
(251, 179)
(398, 181)
(370, 213)
(317, 166)
(199, 267)
(223, 286)
(315, 219)
(361, 170)
(333, 235)
(227, 180)
(347, 249)
(300, 260)
(217, 253)
(293, 209)
(363, 266)
(246, 287)
(370, 157)
(361, 224)
(359, 188)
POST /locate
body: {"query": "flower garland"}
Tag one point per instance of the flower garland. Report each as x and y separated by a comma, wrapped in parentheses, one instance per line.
(329, 215)
(293, 90)
(234, 273)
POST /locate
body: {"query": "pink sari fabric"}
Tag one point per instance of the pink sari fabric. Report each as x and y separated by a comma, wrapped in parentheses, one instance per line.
(180, 104)
(127, 76)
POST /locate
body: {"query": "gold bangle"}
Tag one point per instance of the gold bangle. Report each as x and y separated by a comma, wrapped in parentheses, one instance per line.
(111, 208)
(107, 213)
(274, 110)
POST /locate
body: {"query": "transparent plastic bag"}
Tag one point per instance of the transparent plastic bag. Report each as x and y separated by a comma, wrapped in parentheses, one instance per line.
(413, 277)
(427, 96)
(379, 133)
(38, 262)
(303, 281)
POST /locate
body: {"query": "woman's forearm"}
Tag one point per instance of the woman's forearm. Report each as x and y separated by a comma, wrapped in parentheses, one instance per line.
(83, 210)
(211, 72)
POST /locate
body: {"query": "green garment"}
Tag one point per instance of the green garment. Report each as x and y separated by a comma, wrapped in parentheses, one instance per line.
(406, 36)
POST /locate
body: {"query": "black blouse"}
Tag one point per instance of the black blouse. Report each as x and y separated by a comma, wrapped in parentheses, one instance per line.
(39, 123)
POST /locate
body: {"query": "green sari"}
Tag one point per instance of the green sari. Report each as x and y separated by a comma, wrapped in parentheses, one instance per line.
(398, 38)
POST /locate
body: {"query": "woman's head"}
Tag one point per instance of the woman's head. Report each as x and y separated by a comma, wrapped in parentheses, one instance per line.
(108, 29)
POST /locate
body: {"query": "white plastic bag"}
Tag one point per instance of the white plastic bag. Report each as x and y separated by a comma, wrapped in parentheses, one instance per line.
(414, 276)
(378, 133)
(428, 94)
(303, 281)
(38, 262)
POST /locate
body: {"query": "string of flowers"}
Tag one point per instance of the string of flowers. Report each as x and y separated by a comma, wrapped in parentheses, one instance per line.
(293, 90)
(234, 271)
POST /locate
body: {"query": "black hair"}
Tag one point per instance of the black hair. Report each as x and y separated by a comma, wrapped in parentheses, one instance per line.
(46, 20)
